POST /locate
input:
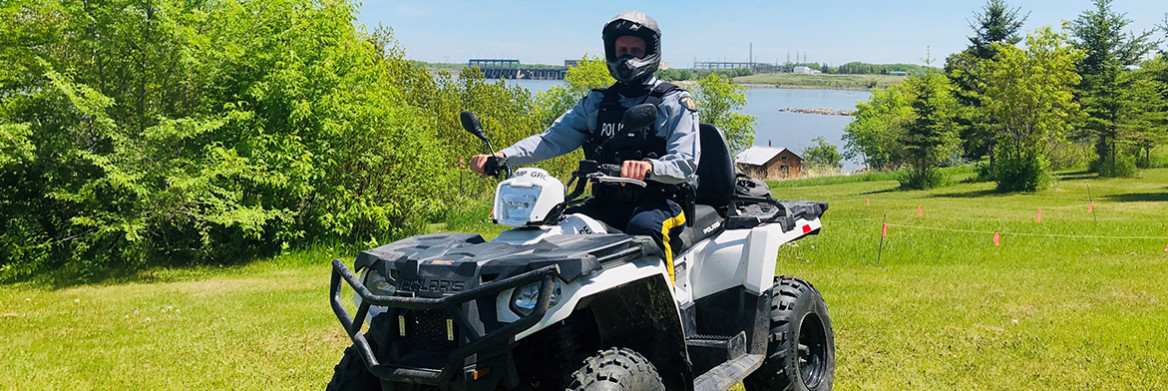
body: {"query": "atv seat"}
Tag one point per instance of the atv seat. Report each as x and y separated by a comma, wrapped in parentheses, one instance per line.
(715, 187)
(715, 170)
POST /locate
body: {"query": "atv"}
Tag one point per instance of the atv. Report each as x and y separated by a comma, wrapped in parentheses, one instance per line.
(563, 301)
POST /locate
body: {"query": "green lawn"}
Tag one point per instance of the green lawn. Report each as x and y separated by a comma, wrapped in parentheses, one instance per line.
(1069, 305)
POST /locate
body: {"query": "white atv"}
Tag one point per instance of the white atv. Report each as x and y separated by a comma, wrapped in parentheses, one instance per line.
(566, 302)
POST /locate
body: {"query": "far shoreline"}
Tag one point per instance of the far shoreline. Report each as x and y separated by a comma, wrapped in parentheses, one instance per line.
(798, 87)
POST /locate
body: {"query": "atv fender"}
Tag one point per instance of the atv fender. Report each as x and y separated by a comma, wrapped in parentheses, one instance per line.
(581, 290)
(762, 251)
(632, 305)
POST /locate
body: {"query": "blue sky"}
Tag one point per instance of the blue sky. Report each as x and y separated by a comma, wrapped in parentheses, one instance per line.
(831, 31)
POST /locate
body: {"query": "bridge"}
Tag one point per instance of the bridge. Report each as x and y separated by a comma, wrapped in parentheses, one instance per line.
(721, 65)
(511, 69)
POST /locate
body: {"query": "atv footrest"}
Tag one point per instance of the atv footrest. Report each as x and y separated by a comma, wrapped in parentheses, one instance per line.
(728, 374)
(708, 351)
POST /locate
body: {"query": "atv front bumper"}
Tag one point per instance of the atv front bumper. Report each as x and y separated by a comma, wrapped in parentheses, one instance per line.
(479, 356)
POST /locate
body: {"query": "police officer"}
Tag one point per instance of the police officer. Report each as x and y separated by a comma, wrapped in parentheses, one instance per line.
(668, 151)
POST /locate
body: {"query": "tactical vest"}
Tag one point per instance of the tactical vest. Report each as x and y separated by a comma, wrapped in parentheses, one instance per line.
(610, 144)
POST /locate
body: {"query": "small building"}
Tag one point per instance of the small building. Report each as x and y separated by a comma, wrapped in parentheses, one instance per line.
(805, 70)
(770, 163)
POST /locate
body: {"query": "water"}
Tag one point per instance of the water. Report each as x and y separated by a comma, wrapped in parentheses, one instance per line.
(793, 131)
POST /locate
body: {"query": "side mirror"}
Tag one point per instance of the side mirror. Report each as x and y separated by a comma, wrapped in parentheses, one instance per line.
(639, 116)
(472, 125)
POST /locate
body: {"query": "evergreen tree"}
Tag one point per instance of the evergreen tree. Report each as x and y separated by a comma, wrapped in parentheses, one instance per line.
(1109, 52)
(996, 24)
(930, 137)
(1143, 112)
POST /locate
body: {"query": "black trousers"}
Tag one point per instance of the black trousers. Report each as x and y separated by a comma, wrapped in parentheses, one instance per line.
(660, 219)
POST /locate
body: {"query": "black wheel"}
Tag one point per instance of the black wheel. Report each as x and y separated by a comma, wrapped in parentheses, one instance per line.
(617, 369)
(801, 349)
(351, 374)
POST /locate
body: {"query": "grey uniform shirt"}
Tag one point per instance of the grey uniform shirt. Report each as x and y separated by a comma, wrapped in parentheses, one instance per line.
(677, 124)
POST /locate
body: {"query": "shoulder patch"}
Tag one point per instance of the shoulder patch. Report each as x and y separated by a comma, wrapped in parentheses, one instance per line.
(689, 104)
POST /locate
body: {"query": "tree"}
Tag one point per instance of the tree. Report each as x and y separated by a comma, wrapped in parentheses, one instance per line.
(128, 138)
(550, 104)
(875, 132)
(1029, 98)
(717, 99)
(930, 136)
(822, 154)
(996, 24)
(588, 73)
(1108, 54)
(1143, 112)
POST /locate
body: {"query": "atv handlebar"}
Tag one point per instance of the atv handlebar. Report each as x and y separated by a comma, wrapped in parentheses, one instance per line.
(497, 167)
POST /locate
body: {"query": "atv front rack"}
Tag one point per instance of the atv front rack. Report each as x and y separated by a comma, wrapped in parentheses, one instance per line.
(477, 342)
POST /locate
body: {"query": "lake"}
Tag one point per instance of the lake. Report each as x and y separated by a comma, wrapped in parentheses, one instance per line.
(793, 131)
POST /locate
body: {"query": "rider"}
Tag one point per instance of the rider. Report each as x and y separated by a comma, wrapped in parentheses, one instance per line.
(669, 152)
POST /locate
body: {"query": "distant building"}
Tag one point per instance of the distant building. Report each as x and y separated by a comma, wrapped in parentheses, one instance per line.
(770, 163)
(570, 63)
(805, 70)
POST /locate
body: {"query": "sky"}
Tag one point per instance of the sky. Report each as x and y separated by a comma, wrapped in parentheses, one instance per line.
(826, 31)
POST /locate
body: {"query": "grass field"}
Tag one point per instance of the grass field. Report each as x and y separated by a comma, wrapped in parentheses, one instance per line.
(791, 80)
(1065, 303)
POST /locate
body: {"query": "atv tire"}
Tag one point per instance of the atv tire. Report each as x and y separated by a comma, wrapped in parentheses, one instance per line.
(801, 349)
(351, 374)
(616, 369)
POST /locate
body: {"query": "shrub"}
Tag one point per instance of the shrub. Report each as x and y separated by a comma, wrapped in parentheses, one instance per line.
(1120, 166)
(1067, 155)
(1022, 175)
(921, 179)
(133, 141)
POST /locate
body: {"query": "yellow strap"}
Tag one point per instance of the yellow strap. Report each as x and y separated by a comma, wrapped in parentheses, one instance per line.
(669, 224)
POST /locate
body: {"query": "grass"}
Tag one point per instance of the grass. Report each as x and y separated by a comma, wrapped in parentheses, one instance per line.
(1071, 305)
(791, 80)
(953, 175)
(265, 325)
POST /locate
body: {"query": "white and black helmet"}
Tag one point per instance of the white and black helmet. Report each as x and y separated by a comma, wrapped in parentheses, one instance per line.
(628, 69)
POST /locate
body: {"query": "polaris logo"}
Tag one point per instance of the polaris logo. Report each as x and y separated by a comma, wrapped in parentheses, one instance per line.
(432, 286)
(711, 228)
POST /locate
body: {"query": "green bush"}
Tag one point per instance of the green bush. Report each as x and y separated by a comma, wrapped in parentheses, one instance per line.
(921, 179)
(1120, 166)
(179, 132)
(1065, 155)
(1022, 175)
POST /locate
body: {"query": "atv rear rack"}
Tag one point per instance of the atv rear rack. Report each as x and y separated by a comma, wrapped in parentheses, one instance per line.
(477, 342)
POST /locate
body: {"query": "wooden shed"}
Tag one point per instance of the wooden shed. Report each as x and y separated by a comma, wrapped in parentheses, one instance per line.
(769, 163)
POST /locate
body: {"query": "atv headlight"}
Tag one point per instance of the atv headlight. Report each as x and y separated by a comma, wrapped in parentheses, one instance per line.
(524, 298)
(528, 197)
(377, 284)
(516, 204)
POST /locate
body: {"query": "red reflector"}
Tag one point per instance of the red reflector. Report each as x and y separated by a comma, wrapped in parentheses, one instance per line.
(806, 228)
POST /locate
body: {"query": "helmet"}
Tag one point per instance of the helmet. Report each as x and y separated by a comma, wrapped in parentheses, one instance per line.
(628, 69)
